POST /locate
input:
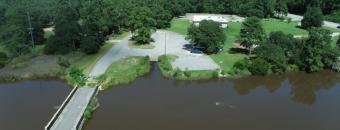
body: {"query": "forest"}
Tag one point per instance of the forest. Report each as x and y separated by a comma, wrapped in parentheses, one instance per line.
(84, 25)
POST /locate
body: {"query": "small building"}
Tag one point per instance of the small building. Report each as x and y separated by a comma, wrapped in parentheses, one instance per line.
(223, 20)
(197, 18)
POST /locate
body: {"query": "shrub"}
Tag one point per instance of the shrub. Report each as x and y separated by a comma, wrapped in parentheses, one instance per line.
(3, 59)
(77, 76)
(88, 112)
(259, 67)
(63, 62)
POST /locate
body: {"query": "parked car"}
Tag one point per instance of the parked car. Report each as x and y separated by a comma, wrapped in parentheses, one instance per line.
(196, 51)
(338, 27)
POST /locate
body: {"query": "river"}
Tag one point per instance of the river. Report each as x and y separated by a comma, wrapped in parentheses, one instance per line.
(295, 101)
(29, 105)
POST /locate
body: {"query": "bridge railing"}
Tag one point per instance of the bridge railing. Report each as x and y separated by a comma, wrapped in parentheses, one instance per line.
(61, 108)
(82, 119)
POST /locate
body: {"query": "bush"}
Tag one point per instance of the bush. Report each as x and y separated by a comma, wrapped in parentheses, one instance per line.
(88, 112)
(63, 62)
(259, 67)
(240, 66)
(3, 59)
(77, 76)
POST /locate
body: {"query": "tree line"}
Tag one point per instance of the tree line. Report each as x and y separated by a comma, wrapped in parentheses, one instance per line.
(83, 25)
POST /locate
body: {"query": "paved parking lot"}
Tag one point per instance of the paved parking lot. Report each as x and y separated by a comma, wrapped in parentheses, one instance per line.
(174, 46)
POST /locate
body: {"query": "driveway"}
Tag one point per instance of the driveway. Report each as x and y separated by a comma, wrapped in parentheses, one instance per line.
(174, 46)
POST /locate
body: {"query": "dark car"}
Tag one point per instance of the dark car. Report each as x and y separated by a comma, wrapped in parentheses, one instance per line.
(338, 27)
(197, 51)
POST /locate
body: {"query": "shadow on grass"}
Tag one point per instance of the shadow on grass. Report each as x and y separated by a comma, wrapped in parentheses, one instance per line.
(238, 51)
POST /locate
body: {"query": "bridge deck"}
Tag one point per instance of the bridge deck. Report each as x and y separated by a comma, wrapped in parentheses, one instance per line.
(73, 111)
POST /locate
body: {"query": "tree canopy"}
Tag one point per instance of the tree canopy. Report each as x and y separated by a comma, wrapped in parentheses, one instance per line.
(209, 35)
(252, 33)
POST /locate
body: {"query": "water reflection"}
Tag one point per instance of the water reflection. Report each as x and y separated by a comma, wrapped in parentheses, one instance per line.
(303, 86)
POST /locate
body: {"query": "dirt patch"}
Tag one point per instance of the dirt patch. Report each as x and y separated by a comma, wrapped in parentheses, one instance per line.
(29, 67)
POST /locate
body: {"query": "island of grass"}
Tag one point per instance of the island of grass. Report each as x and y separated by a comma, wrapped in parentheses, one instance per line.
(125, 71)
(133, 44)
(164, 63)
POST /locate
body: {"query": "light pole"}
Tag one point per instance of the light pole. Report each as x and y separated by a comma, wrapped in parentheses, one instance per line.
(30, 28)
(165, 44)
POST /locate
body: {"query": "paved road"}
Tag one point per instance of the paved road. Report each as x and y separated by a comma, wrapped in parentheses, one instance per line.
(326, 23)
(175, 43)
(74, 110)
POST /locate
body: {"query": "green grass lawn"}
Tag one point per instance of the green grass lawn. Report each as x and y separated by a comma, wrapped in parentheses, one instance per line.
(125, 71)
(271, 25)
(225, 59)
(180, 26)
(121, 36)
(334, 40)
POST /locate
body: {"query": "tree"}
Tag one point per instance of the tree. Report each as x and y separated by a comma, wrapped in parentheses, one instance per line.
(312, 18)
(141, 24)
(312, 53)
(3, 59)
(266, 8)
(274, 55)
(162, 17)
(209, 35)
(259, 66)
(281, 9)
(251, 33)
(67, 30)
(89, 44)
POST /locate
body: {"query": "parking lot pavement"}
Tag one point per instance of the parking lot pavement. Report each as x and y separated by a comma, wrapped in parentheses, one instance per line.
(165, 42)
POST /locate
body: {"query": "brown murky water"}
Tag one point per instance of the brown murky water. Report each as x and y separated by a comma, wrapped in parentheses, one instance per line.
(29, 105)
(295, 101)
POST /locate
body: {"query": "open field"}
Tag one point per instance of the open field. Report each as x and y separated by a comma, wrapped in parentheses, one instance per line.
(124, 71)
(180, 26)
(271, 25)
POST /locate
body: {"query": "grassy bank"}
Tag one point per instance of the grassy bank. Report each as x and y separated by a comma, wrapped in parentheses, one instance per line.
(132, 44)
(164, 63)
(125, 71)
(33, 66)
